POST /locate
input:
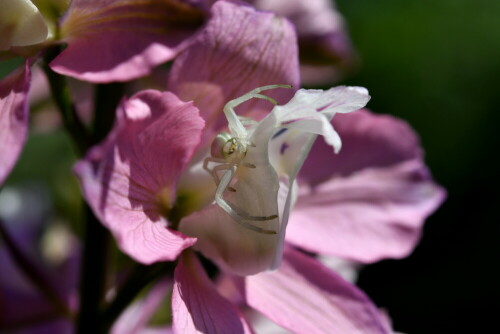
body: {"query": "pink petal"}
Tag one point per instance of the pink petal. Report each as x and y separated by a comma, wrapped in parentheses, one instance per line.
(319, 25)
(130, 179)
(305, 297)
(122, 40)
(323, 40)
(240, 49)
(13, 118)
(369, 140)
(232, 247)
(197, 306)
(371, 215)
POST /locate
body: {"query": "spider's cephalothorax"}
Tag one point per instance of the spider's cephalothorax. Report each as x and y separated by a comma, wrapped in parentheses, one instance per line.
(225, 146)
(229, 150)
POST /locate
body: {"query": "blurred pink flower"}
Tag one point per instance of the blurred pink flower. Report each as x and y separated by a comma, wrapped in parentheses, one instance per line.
(52, 254)
(325, 48)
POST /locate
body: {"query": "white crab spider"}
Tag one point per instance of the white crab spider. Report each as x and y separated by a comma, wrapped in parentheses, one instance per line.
(282, 142)
(228, 150)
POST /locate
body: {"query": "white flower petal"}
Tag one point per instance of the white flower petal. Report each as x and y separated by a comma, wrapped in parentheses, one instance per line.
(341, 99)
(310, 112)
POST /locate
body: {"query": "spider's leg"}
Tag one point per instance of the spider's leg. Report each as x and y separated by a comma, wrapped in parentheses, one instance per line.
(205, 165)
(255, 93)
(268, 87)
(211, 159)
(216, 177)
(247, 122)
(236, 213)
(235, 125)
(211, 170)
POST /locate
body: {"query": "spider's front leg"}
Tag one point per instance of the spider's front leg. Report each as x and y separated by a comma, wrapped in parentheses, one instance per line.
(224, 165)
(239, 215)
(215, 170)
(212, 159)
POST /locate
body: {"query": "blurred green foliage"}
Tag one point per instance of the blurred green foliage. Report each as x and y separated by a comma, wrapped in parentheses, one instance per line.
(437, 65)
(8, 65)
(47, 159)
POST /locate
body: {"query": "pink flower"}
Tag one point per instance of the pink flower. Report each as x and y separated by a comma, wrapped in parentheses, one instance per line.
(146, 182)
(136, 179)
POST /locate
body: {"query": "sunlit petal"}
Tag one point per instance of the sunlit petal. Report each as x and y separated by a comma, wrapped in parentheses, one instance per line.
(130, 179)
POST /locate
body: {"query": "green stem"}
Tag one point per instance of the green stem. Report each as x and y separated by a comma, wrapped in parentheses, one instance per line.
(139, 278)
(93, 270)
(92, 279)
(93, 276)
(62, 97)
(31, 272)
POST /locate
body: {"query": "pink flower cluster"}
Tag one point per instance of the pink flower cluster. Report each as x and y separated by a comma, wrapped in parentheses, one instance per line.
(265, 204)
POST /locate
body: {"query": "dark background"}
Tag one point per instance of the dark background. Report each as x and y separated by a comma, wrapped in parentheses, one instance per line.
(436, 64)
